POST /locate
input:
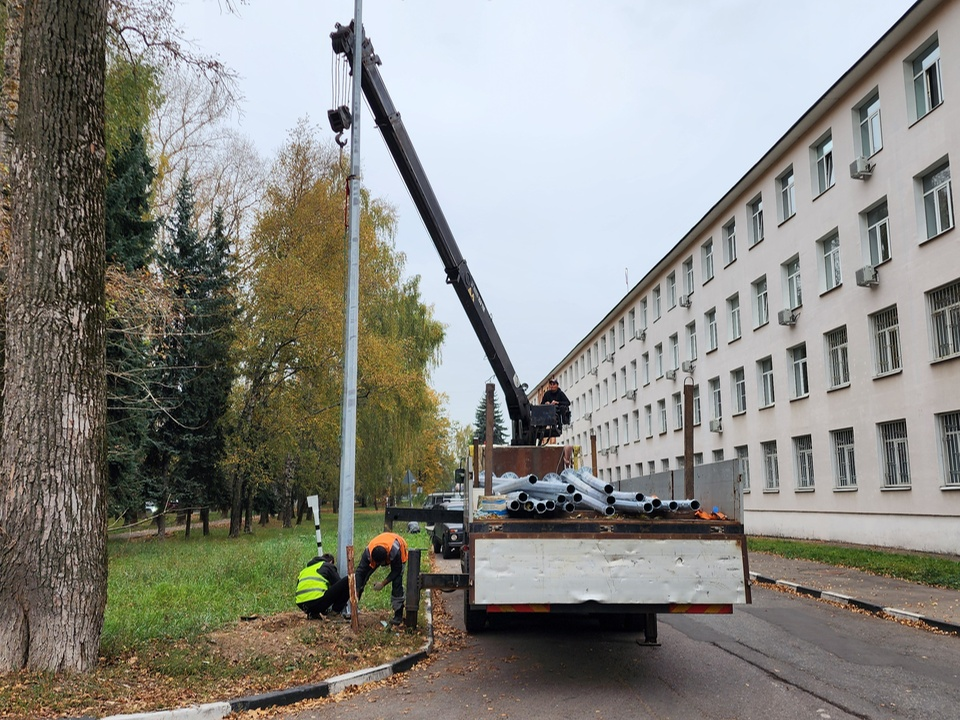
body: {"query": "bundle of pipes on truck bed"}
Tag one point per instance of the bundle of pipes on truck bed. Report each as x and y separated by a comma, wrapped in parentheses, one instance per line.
(576, 490)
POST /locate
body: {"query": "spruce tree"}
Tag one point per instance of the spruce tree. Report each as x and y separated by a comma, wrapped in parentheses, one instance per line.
(480, 422)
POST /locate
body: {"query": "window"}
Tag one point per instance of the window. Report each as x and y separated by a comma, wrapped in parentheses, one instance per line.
(633, 376)
(844, 468)
(787, 195)
(677, 411)
(733, 313)
(716, 410)
(658, 356)
(648, 415)
(830, 252)
(755, 210)
(895, 457)
(622, 331)
(706, 255)
(645, 365)
(730, 242)
(771, 469)
(656, 303)
(671, 290)
(696, 405)
(632, 323)
(744, 457)
(710, 318)
(798, 365)
(937, 201)
(738, 383)
(949, 426)
(643, 314)
(688, 276)
(613, 386)
(803, 459)
(675, 352)
(839, 367)
(651, 466)
(927, 87)
(692, 341)
(791, 272)
(662, 415)
(885, 326)
(765, 376)
(945, 318)
(761, 307)
(636, 433)
(871, 141)
(878, 234)
(605, 397)
(718, 455)
(824, 155)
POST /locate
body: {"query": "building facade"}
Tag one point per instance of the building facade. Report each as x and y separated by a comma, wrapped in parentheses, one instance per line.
(815, 310)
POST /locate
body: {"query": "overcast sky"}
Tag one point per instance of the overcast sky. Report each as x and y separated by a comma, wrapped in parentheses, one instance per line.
(571, 143)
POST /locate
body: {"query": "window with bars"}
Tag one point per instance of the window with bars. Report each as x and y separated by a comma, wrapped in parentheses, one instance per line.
(895, 455)
(718, 455)
(944, 306)
(886, 341)
(824, 154)
(798, 366)
(839, 366)
(927, 85)
(765, 373)
(878, 234)
(937, 200)
(949, 425)
(771, 468)
(844, 467)
(803, 458)
(755, 210)
(830, 253)
(739, 386)
(706, 256)
(744, 457)
(733, 312)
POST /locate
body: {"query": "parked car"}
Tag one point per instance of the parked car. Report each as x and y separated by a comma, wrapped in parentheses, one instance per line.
(438, 498)
(447, 537)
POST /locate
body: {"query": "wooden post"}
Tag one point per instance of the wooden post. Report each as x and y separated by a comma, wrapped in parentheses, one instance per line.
(593, 453)
(488, 447)
(354, 603)
(688, 438)
(476, 462)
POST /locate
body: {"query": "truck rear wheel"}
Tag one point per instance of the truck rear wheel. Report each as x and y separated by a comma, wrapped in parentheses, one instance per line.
(473, 620)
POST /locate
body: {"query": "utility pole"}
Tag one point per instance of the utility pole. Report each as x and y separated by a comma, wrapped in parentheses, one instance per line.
(348, 426)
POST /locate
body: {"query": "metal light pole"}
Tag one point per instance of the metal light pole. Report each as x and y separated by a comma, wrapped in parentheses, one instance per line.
(348, 424)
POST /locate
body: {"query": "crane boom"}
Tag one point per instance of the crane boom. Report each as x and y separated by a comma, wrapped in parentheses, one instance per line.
(524, 430)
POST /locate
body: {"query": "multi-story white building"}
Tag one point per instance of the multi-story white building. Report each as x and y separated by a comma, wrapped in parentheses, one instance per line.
(816, 311)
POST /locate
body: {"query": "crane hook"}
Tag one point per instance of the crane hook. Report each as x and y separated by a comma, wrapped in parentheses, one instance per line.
(341, 142)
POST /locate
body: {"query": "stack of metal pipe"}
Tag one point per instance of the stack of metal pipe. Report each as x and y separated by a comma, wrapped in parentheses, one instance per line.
(573, 490)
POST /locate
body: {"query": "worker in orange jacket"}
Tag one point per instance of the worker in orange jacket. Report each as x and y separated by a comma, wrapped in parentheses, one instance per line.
(386, 549)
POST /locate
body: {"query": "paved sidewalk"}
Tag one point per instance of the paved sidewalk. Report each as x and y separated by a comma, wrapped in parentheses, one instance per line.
(937, 607)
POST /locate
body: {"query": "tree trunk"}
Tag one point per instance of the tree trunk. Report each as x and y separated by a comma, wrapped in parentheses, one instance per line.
(161, 524)
(248, 513)
(187, 522)
(53, 453)
(205, 520)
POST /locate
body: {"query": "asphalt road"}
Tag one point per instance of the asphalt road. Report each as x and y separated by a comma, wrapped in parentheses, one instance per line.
(783, 658)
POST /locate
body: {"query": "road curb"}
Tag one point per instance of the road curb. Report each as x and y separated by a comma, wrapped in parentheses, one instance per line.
(313, 691)
(870, 607)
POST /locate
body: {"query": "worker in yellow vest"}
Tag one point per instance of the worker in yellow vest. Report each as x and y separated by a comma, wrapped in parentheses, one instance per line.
(320, 589)
(386, 550)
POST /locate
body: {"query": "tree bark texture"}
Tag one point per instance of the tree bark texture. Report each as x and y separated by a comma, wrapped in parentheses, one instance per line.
(52, 453)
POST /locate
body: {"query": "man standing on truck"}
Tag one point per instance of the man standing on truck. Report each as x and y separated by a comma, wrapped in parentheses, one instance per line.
(387, 548)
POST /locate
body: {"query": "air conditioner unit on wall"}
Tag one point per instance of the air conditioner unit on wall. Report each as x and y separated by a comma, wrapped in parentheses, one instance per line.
(594, 370)
(608, 358)
(787, 317)
(687, 366)
(641, 335)
(671, 374)
(867, 276)
(861, 168)
(588, 416)
(685, 301)
(716, 426)
(632, 394)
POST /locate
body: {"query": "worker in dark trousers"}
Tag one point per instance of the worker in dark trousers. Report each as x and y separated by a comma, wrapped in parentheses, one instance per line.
(320, 589)
(386, 550)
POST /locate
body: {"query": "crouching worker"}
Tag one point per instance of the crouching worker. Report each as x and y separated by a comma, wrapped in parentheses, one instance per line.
(320, 589)
(386, 549)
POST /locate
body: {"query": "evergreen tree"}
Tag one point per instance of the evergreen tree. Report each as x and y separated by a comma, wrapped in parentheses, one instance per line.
(480, 421)
(130, 234)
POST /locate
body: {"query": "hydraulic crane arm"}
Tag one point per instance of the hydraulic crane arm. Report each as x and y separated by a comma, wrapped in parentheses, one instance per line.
(458, 274)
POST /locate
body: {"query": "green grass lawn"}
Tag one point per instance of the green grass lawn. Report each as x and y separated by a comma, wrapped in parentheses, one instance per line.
(914, 567)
